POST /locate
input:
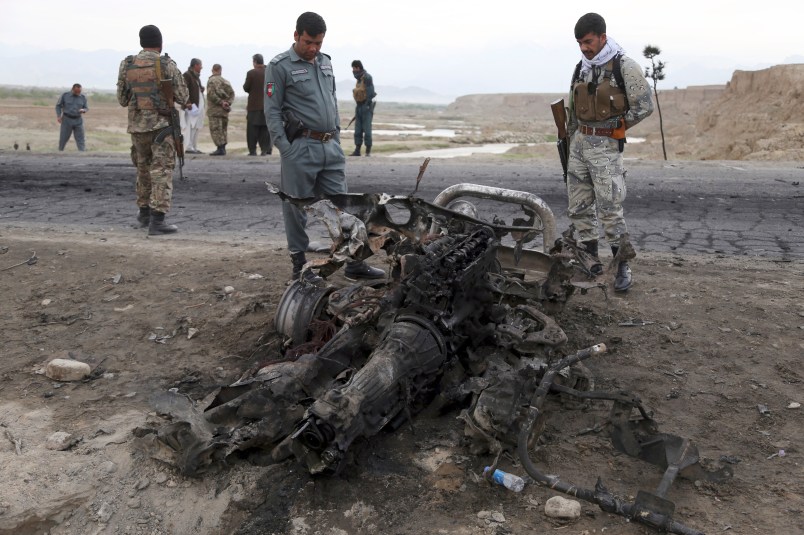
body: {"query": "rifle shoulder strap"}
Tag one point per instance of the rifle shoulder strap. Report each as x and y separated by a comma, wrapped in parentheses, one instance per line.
(618, 72)
(575, 75)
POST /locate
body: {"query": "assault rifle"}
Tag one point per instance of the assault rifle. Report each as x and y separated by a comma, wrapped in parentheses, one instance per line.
(560, 117)
(166, 87)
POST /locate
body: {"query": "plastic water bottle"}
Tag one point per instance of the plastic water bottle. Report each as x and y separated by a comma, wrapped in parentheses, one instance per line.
(509, 481)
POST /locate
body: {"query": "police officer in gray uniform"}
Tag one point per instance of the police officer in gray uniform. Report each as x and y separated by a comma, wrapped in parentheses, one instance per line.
(70, 110)
(300, 92)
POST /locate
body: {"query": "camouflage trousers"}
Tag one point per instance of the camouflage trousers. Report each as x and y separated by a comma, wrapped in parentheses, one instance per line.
(217, 129)
(155, 163)
(596, 187)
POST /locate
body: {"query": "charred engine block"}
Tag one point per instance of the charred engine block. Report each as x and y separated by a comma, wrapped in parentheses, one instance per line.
(439, 290)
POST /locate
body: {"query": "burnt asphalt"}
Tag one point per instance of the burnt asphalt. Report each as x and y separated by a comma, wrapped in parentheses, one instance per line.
(734, 208)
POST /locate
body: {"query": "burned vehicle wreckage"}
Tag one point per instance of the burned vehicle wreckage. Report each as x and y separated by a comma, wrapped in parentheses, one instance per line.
(461, 323)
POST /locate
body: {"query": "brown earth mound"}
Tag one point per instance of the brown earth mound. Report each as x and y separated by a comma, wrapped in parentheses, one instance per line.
(753, 117)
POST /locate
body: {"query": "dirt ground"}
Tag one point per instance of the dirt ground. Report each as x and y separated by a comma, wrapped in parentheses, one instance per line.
(722, 336)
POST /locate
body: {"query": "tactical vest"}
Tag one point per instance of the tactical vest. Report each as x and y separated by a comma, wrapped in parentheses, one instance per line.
(359, 92)
(598, 102)
(143, 76)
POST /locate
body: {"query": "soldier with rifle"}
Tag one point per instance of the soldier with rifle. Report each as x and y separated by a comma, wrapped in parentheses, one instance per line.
(151, 86)
(608, 95)
(363, 94)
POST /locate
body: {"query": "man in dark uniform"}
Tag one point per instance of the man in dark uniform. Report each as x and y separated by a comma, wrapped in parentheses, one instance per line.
(70, 110)
(300, 82)
(192, 119)
(256, 129)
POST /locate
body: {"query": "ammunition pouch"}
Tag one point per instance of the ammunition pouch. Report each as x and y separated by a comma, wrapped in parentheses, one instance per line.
(293, 125)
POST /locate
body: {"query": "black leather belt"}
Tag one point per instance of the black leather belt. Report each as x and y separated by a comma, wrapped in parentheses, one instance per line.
(323, 137)
(71, 116)
(595, 131)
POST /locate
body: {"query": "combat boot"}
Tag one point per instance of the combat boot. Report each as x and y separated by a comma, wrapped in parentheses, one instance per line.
(356, 152)
(623, 279)
(221, 151)
(144, 217)
(158, 225)
(298, 260)
(591, 247)
(368, 150)
(361, 270)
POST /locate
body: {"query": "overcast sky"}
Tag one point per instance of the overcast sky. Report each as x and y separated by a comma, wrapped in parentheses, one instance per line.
(447, 46)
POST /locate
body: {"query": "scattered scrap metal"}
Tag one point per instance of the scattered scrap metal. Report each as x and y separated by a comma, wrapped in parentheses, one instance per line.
(461, 320)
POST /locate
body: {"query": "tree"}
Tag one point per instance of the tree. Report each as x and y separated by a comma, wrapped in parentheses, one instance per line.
(656, 72)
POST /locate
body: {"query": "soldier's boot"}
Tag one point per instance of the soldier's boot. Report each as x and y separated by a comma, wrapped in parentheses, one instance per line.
(361, 270)
(298, 260)
(623, 279)
(368, 150)
(356, 152)
(220, 151)
(144, 217)
(158, 225)
(591, 248)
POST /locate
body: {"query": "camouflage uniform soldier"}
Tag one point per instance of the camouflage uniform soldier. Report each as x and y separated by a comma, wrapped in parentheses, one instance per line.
(220, 96)
(609, 94)
(364, 94)
(138, 88)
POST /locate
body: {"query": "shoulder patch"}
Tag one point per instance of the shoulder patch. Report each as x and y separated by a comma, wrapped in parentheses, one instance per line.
(326, 67)
(280, 57)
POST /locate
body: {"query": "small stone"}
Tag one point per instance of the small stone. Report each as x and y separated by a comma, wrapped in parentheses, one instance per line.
(498, 517)
(105, 513)
(192, 331)
(794, 405)
(160, 478)
(67, 370)
(60, 441)
(228, 289)
(142, 484)
(108, 466)
(482, 515)
(46, 302)
(134, 503)
(558, 507)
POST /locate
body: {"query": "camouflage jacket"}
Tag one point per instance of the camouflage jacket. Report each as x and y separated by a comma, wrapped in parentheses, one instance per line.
(147, 120)
(219, 90)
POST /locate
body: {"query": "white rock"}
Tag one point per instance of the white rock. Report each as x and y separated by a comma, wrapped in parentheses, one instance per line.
(794, 405)
(46, 302)
(498, 517)
(67, 370)
(558, 507)
(228, 289)
(192, 331)
(104, 513)
(59, 441)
